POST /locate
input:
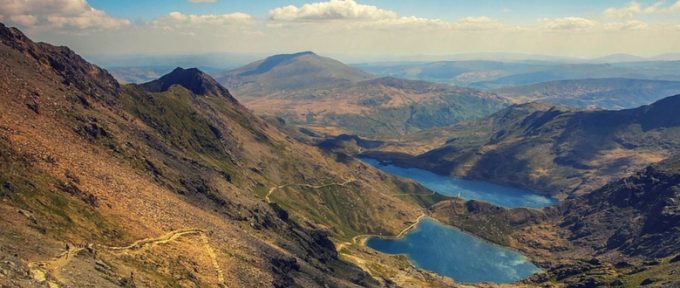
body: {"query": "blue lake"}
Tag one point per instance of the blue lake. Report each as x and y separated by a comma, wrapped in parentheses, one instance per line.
(499, 195)
(450, 252)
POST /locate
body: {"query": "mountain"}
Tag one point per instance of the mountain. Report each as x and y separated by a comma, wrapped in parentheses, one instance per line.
(323, 95)
(288, 72)
(555, 150)
(496, 74)
(191, 79)
(464, 72)
(175, 183)
(609, 93)
(383, 107)
(618, 58)
(624, 233)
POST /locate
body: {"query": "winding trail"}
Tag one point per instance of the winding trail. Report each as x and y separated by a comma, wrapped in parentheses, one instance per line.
(54, 265)
(409, 228)
(361, 240)
(271, 190)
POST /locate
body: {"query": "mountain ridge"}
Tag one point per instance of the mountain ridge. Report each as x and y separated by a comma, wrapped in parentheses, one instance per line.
(599, 93)
(554, 150)
(91, 182)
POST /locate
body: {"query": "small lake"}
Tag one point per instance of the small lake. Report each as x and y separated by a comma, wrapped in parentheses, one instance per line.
(499, 195)
(450, 252)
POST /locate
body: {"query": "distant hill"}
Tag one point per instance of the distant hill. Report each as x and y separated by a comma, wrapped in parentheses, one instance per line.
(496, 74)
(556, 150)
(329, 97)
(618, 58)
(287, 72)
(608, 93)
(138, 74)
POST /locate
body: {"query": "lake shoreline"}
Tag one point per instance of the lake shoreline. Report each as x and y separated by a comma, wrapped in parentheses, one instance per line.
(492, 193)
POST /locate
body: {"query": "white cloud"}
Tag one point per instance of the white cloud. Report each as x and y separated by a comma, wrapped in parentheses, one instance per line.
(629, 25)
(632, 9)
(24, 19)
(76, 14)
(203, 1)
(180, 19)
(477, 23)
(675, 7)
(331, 10)
(568, 23)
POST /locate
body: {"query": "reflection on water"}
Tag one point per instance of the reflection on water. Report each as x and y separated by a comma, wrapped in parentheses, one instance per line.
(499, 195)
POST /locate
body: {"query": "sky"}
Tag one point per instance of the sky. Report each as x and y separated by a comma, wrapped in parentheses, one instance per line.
(352, 30)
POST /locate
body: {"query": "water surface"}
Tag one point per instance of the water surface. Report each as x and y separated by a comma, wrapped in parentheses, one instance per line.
(450, 252)
(499, 195)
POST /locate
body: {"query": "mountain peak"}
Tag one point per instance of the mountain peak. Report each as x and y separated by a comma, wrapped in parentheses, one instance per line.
(289, 72)
(271, 62)
(192, 79)
(11, 34)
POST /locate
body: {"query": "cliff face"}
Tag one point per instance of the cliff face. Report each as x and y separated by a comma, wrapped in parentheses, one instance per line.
(637, 216)
(72, 68)
(625, 233)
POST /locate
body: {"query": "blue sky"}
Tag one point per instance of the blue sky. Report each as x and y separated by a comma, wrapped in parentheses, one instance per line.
(352, 29)
(517, 12)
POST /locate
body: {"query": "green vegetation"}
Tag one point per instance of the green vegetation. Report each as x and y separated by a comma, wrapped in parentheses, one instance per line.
(170, 113)
(50, 210)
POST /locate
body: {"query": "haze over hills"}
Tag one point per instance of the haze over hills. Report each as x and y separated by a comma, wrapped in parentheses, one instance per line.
(607, 93)
(174, 182)
(329, 97)
(496, 74)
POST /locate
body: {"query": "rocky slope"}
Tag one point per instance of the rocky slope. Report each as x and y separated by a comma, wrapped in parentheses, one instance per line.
(555, 150)
(622, 234)
(174, 183)
(323, 95)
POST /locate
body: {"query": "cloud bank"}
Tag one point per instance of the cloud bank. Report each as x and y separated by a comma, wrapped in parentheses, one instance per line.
(331, 10)
(72, 14)
(346, 27)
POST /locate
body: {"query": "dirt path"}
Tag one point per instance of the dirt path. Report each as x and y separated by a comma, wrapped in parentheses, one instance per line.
(149, 242)
(213, 258)
(403, 232)
(53, 266)
(271, 190)
(359, 239)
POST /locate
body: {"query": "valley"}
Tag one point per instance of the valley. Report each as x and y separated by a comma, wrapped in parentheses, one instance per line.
(327, 97)
(299, 170)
